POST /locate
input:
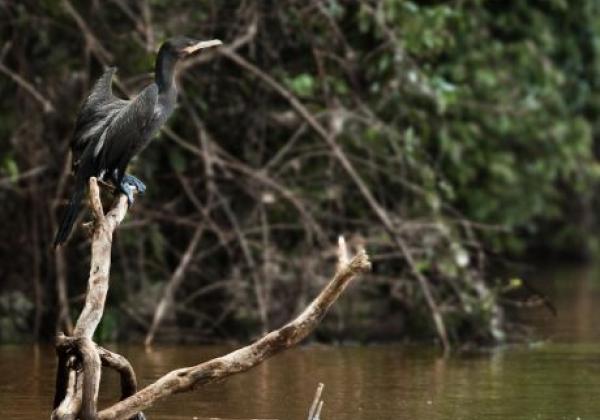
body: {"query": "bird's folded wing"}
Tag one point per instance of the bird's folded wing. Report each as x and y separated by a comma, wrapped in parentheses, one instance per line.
(95, 113)
(102, 89)
(129, 130)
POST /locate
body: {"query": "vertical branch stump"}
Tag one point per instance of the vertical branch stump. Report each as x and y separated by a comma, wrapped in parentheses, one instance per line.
(79, 367)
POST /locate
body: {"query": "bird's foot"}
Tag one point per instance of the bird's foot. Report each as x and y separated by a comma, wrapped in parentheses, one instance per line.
(135, 182)
(127, 189)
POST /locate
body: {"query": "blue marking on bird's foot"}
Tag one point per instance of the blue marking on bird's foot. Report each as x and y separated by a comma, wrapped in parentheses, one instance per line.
(127, 189)
(134, 182)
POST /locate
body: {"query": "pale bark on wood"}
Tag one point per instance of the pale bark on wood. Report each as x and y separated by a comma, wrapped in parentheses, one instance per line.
(185, 379)
(123, 367)
(71, 402)
(317, 405)
(81, 359)
(79, 369)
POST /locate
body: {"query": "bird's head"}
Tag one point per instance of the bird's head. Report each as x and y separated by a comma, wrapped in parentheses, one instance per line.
(182, 46)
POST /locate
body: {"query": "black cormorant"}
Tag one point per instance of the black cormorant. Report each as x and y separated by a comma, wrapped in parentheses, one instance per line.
(110, 131)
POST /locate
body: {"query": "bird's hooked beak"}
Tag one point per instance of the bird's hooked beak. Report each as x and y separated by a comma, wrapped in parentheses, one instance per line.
(201, 45)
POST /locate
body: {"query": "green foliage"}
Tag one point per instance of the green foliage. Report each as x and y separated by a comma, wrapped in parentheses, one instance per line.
(10, 167)
(473, 124)
(108, 327)
(302, 84)
(499, 114)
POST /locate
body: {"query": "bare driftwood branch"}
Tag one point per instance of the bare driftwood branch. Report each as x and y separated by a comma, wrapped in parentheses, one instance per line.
(91, 372)
(71, 401)
(185, 379)
(91, 358)
(102, 234)
(79, 368)
(80, 359)
(123, 367)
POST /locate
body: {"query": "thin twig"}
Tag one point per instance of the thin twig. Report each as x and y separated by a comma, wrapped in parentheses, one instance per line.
(173, 285)
(317, 404)
(46, 104)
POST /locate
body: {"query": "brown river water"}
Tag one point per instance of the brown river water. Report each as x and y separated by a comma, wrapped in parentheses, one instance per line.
(555, 378)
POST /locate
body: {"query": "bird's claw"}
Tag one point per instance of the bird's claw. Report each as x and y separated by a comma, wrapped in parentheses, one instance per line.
(135, 182)
(128, 184)
(130, 199)
(127, 189)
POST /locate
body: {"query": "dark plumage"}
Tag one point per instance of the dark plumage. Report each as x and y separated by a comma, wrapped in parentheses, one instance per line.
(110, 131)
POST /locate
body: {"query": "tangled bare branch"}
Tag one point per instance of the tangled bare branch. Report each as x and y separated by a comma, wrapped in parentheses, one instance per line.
(81, 360)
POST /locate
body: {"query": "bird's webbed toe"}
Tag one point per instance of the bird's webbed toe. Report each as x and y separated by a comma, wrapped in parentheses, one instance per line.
(135, 182)
(127, 189)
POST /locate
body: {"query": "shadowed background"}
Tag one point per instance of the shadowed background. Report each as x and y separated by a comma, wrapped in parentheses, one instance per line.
(449, 138)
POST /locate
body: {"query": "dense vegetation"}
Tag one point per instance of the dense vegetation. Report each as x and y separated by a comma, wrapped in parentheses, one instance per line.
(440, 135)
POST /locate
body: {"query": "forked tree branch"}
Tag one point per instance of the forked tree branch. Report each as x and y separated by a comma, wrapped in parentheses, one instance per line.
(80, 359)
(104, 227)
(79, 368)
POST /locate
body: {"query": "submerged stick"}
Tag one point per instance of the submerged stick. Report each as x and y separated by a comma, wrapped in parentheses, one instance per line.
(315, 409)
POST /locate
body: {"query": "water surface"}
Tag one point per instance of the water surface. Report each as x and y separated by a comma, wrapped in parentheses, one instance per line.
(558, 378)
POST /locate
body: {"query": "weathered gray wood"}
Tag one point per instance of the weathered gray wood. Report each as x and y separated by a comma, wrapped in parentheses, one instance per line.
(81, 394)
(71, 403)
(103, 229)
(123, 367)
(185, 379)
(317, 404)
(90, 356)
(84, 358)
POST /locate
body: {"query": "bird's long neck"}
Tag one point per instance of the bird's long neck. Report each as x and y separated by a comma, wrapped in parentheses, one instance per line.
(165, 71)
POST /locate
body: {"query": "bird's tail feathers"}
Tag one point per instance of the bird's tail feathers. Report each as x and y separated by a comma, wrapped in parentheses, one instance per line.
(70, 216)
